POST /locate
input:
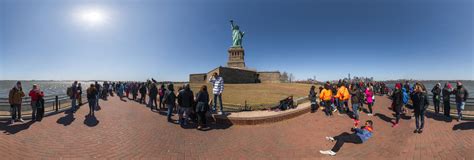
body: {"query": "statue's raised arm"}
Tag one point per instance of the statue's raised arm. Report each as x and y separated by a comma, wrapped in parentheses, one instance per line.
(237, 35)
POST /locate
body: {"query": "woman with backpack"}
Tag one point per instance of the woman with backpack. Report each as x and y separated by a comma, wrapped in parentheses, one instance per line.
(170, 101)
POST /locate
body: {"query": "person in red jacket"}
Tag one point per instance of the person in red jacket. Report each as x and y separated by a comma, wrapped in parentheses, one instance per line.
(35, 94)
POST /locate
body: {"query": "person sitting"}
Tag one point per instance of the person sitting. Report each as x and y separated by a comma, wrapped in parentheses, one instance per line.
(286, 103)
(358, 137)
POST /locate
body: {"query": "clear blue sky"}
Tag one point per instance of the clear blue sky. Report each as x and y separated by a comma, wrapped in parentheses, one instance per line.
(168, 40)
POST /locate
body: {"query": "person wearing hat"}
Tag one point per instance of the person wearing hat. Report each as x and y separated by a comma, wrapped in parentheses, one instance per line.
(15, 98)
(436, 91)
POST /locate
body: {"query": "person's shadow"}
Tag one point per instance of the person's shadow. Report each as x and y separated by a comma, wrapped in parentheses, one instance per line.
(464, 126)
(383, 117)
(91, 121)
(13, 129)
(66, 120)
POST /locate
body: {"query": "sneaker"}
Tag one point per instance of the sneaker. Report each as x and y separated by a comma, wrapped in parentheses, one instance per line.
(370, 114)
(420, 131)
(21, 120)
(330, 138)
(328, 152)
(220, 112)
(335, 110)
(395, 125)
(415, 131)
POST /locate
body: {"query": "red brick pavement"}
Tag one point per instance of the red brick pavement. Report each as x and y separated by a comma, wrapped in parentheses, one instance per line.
(128, 130)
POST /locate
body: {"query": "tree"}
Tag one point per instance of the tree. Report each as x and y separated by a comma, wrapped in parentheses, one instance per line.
(284, 77)
(291, 77)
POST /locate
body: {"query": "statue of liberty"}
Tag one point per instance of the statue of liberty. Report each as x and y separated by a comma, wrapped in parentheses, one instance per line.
(237, 35)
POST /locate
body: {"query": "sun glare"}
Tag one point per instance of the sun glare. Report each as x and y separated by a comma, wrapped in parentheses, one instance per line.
(91, 17)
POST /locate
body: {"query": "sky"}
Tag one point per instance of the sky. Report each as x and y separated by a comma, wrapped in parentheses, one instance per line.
(168, 40)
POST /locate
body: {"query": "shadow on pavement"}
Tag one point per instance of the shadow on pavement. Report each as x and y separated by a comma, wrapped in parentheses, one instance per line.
(67, 119)
(13, 129)
(438, 117)
(464, 126)
(91, 121)
(383, 117)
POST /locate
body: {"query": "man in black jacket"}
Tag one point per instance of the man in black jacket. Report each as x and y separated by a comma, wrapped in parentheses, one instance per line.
(185, 101)
(436, 91)
(420, 103)
(461, 95)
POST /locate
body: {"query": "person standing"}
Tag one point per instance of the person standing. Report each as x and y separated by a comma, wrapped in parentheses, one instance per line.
(461, 95)
(436, 91)
(185, 101)
(161, 93)
(325, 96)
(343, 96)
(79, 96)
(369, 94)
(120, 90)
(91, 98)
(420, 103)
(447, 91)
(35, 94)
(15, 98)
(143, 93)
(312, 98)
(97, 88)
(202, 106)
(217, 89)
(356, 96)
(170, 100)
(152, 97)
(397, 103)
(73, 95)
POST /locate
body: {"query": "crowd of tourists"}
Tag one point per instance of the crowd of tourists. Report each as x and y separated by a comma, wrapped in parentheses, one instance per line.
(406, 99)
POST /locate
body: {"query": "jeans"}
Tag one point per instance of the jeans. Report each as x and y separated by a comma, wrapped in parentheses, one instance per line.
(328, 108)
(343, 138)
(91, 106)
(34, 109)
(460, 107)
(201, 118)
(420, 119)
(97, 100)
(447, 108)
(220, 102)
(436, 105)
(355, 110)
(343, 106)
(73, 104)
(170, 111)
(16, 111)
(161, 100)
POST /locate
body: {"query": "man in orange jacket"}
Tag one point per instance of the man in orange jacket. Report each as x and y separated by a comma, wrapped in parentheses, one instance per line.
(343, 96)
(325, 96)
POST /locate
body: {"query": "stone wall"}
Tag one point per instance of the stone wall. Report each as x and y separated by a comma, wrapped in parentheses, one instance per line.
(198, 78)
(269, 77)
(235, 75)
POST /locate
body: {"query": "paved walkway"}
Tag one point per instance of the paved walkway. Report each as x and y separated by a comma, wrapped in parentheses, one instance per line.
(128, 130)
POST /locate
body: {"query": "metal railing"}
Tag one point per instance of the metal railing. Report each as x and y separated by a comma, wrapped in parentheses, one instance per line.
(52, 103)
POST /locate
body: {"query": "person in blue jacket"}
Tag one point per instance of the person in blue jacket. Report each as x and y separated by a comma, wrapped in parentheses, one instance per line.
(359, 136)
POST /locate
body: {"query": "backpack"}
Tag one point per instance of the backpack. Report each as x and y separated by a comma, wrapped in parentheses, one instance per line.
(405, 98)
(69, 91)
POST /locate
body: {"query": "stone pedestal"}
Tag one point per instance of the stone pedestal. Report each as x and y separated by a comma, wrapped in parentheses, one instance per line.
(236, 58)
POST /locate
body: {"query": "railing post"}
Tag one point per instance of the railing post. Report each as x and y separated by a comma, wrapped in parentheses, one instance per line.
(57, 104)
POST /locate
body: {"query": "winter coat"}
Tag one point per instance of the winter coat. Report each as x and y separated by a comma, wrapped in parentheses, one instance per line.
(420, 102)
(447, 94)
(364, 134)
(461, 94)
(35, 95)
(397, 100)
(202, 100)
(312, 96)
(436, 93)
(170, 98)
(356, 96)
(342, 93)
(369, 95)
(325, 95)
(185, 98)
(15, 96)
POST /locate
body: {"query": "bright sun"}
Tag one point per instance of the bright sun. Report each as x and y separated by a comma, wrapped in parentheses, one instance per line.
(91, 16)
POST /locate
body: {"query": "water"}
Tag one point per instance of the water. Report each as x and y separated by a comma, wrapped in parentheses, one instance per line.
(48, 87)
(469, 85)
